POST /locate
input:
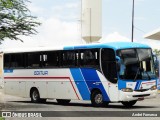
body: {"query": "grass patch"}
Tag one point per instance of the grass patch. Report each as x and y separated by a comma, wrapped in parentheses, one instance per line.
(2, 118)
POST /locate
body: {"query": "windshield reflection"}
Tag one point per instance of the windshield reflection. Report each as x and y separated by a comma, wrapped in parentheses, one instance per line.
(136, 64)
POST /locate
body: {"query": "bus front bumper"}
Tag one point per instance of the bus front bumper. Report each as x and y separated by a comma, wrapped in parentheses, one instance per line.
(129, 96)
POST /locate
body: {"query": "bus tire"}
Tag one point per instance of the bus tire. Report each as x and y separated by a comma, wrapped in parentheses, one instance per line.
(129, 103)
(35, 97)
(63, 102)
(97, 99)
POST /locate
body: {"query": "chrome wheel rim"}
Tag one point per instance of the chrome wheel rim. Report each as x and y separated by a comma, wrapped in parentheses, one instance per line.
(35, 95)
(98, 98)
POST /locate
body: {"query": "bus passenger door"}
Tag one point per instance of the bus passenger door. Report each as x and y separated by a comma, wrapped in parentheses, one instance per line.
(113, 92)
(108, 67)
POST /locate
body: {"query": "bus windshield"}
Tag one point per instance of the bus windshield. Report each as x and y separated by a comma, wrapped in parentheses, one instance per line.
(136, 64)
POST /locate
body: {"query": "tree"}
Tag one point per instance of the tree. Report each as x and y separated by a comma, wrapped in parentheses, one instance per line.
(16, 20)
(156, 51)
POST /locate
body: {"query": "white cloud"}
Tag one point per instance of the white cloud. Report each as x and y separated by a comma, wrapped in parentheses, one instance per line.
(68, 11)
(72, 5)
(59, 27)
(60, 32)
(35, 9)
(115, 37)
(53, 32)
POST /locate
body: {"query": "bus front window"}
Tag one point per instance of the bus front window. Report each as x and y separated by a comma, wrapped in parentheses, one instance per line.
(136, 64)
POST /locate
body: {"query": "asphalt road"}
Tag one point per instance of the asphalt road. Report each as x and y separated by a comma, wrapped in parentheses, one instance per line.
(78, 109)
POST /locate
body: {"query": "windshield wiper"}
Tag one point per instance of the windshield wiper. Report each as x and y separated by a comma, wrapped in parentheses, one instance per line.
(147, 75)
(137, 74)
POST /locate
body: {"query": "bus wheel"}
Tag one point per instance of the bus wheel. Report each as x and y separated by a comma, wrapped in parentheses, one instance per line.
(97, 99)
(35, 97)
(63, 102)
(129, 103)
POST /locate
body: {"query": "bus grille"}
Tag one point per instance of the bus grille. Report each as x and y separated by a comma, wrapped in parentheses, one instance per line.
(141, 90)
(141, 95)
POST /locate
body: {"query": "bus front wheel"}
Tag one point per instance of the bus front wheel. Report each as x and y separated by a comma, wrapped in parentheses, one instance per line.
(129, 103)
(97, 99)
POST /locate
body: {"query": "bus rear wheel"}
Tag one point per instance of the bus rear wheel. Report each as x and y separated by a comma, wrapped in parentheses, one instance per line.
(129, 103)
(35, 97)
(97, 99)
(63, 102)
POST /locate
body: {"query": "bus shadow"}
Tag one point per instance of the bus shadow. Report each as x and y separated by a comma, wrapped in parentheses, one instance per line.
(116, 106)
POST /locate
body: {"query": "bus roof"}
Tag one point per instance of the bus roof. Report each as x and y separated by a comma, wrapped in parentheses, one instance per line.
(112, 45)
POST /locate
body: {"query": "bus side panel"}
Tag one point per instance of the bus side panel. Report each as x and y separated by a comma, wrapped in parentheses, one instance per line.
(94, 81)
(80, 82)
(11, 87)
(51, 83)
(110, 88)
(61, 90)
(62, 85)
(22, 88)
(89, 79)
(40, 85)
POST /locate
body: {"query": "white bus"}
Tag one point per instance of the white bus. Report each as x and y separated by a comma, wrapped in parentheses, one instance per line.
(102, 73)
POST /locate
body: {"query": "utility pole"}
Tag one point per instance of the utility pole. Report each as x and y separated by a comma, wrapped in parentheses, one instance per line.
(132, 21)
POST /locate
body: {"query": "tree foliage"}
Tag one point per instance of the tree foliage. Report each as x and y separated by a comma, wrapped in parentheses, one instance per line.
(156, 51)
(16, 20)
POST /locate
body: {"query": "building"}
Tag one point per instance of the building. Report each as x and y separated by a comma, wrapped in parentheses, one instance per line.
(154, 35)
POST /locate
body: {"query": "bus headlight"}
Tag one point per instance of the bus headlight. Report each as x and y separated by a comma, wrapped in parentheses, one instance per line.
(154, 87)
(127, 90)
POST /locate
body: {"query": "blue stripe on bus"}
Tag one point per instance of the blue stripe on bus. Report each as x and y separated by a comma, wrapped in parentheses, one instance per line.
(80, 83)
(137, 85)
(91, 76)
(8, 71)
(121, 84)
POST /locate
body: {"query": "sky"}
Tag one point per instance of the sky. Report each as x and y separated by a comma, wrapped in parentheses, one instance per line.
(61, 22)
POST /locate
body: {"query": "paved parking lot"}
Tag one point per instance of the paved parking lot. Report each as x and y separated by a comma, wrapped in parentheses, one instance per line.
(11, 103)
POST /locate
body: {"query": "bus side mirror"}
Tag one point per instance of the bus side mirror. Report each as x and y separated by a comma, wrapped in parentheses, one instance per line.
(118, 63)
(156, 65)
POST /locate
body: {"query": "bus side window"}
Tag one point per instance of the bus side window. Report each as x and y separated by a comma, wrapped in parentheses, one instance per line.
(69, 58)
(90, 58)
(50, 59)
(17, 60)
(7, 61)
(34, 60)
